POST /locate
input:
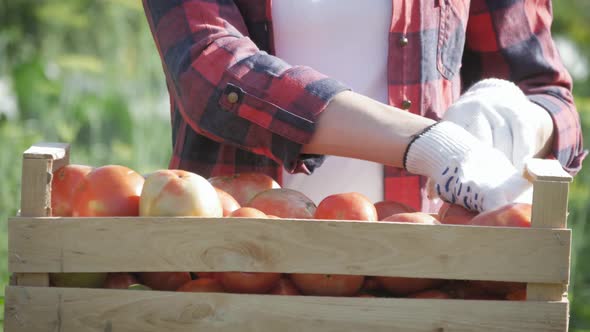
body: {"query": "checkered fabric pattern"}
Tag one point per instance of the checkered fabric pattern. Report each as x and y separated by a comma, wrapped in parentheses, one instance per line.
(235, 107)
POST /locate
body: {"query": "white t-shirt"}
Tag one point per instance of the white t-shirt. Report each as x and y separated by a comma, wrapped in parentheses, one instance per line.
(348, 41)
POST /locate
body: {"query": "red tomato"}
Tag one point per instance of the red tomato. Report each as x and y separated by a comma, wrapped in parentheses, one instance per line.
(328, 284)
(371, 284)
(243, 186)
(511, 215)
(214, 275)
(517, 295)
(64, 184)
(413, 217)
(248, 212)
(284, 203)
(404, 286)
(165, 281)
(284, 287)
(108, 191)
(455, 215)
(430, 294)
(388, 208)
(205, 285)
(249, 282)
(228, 203)
(120, 280)
(346, 206)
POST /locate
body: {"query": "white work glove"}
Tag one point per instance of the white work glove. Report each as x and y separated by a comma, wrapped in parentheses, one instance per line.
(499, 114)
(465, 171)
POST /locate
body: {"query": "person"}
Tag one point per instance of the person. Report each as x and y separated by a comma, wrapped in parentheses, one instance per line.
(400, 100)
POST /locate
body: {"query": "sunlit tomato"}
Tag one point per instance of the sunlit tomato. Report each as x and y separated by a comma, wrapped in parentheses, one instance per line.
(455, 214)
(284, 203)
(249, 282)
(205, 285)
(243, 186)
(108, 191)
(327, 284)
(284, 287)
(228, 203)
(65, 182)
(165, 281)
(387, 208)
(248, 212)
(511, 215)
(346, 206)
(120, 280)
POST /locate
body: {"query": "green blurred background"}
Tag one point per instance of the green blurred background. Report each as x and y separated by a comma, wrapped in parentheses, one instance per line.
(87, 72)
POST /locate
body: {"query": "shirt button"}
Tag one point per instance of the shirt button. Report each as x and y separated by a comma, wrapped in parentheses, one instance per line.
(232, 97)
(403, 41)
(406, 104)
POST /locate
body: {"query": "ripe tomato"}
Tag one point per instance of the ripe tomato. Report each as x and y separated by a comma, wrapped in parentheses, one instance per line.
(165, 281)
(387, 208)
(430, 294)
(205, 285)
(327, 284)
(284, 203)
(413, 217)
(249, 282)
(403, 286)
(511, 215)
(66, 181)
(517, 295)
(455, 215)
(248, 212)
(284, 287)
(212, 275)
(243, 186)
(120, 280)
(108, 191)
(228, 203)
(346, 206)
(499, 288)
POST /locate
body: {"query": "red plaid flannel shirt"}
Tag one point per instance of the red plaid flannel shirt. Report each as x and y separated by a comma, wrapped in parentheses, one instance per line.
(235, 107)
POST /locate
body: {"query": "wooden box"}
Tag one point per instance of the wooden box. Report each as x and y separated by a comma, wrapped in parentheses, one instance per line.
(40, 244)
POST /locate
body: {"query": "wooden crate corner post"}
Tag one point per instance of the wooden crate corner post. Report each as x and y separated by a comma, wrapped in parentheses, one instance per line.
(39, 162)
(550, 204)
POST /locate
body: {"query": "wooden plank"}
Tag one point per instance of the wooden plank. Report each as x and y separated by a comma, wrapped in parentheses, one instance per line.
(37, 171)
(319, 246)
(36, 187)
(546, 170)
(550, 204)
(47, 150)
(79, 310)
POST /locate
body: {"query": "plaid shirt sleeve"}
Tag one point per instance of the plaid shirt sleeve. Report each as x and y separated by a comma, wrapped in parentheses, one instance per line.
(230, 91)
(511, 39)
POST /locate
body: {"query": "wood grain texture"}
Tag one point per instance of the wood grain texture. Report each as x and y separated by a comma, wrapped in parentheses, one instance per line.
(80, 310)
(272, 245)
(36, 188)
(550, 208)
(47, 150)
(546, 170)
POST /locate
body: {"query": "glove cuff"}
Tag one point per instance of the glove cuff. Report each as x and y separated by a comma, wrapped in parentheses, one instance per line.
(430, 151)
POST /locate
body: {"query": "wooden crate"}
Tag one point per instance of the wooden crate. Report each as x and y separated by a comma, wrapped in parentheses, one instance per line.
(40, 244)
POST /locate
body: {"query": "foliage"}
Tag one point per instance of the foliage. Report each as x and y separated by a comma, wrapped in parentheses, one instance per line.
(87, 71)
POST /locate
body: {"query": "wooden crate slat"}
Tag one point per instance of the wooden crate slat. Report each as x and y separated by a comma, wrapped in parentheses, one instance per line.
(78, 310)
(546, 170)
(47, 150)
(201, 244)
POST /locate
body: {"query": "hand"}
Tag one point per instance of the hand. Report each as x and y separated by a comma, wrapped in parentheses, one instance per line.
(464, 170)
(499, 114)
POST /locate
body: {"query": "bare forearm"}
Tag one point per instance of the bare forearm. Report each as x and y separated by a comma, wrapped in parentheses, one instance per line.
(359, 127)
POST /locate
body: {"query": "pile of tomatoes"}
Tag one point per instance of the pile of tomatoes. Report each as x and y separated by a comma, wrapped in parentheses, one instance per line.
(113, 190)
